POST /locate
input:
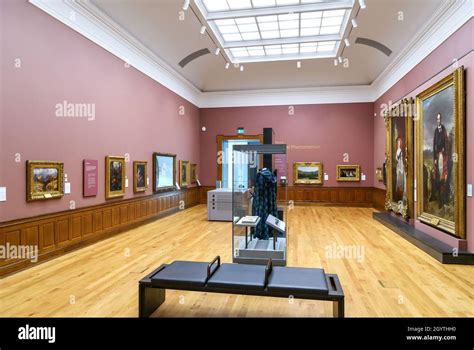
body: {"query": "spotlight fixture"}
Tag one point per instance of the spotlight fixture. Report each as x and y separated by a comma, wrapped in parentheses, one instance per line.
(203, 128)
(218, 51)
(335, 62)
(362, 4)
(227, 65)
(242, 68)
(203, 30)
(186, 5)
(354, 23)
(298, 64)
(347, 42)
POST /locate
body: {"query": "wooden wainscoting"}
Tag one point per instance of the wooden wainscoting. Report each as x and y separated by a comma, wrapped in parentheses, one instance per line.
(350, 196)
(58, 233)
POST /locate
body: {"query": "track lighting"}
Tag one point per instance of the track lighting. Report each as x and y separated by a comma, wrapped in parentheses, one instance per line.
(227, 65)
(242, 68)
(218, 51)
(362, 4)
(203, 30)
(347, 42)
(186, 5)
(354, 23)
(335, 62)
(298, 64)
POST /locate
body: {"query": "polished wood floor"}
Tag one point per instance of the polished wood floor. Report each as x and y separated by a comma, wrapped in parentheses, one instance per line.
(388, 276)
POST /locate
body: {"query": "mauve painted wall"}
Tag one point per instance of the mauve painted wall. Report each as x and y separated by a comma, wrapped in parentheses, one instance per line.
(334, 129)
(429, 71)
(134, 114)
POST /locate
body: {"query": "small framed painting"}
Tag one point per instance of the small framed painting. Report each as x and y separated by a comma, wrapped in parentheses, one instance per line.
(114, 177)
(379, 174)
(45, 180)
(348, 173)
(308, 173)
(184, 173)
(164, 172)
(140, 175)
(193, 174)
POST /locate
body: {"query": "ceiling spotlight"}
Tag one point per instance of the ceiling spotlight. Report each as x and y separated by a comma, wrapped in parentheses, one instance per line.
(203, 128)
(227, 65)
(335, 62)
(218, 51)
(242, 68)
(203, 30)
(347, 42)
(186, 5)
(340, 59)
(354, 23)
(362, 4)
(298, 64)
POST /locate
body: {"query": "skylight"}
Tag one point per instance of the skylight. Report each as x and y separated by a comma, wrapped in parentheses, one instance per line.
(269, 30)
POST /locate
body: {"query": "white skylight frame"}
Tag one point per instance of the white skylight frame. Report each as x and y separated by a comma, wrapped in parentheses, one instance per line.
(250, 33)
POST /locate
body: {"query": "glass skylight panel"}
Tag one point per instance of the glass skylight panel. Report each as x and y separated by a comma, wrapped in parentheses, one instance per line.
(274, 33)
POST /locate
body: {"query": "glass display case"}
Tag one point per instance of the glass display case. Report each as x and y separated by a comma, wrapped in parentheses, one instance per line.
(259, 204)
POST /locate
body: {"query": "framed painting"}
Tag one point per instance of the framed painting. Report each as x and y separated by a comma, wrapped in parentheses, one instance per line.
(164, 172)
(379, 174)
(348, 173)
(184, 173)
(44, 180)
(399, 163)
(308, 173)
(114, 177)
(193, 174)
(140, 175)
(440, 145)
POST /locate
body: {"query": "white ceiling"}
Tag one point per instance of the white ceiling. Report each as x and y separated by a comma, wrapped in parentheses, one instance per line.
(158, 26)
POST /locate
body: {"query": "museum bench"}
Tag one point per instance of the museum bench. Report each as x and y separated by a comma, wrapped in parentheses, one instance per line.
(256, 280)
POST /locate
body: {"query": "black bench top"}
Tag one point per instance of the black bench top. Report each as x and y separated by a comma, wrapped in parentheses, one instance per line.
(295, 279)
(182, 273)
(238, 276)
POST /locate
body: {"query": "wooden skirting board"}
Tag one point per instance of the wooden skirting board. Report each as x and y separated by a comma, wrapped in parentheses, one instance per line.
(59, 233)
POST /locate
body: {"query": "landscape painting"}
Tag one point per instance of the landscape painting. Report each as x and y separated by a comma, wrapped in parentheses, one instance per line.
(308, 173)
(44, 180)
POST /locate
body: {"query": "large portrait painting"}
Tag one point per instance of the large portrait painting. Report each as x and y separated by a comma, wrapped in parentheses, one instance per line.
(164, 172)
(140, 175)
(440, 176)
(184, 173)
(399, 163)
(308, 173)
(114, 177)
(45, 180)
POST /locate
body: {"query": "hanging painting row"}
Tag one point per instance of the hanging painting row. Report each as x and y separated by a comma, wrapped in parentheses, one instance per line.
(46, 179)
(311, 173)
(439, 174)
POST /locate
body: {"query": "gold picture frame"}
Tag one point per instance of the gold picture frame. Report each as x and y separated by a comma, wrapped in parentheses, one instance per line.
(308, 173)
(441, 175)
(348, 173)
(44, 180)
(140, 176)
(114, 177)
(379, 174)
(184, 173)
(194, 174)
(399, 163)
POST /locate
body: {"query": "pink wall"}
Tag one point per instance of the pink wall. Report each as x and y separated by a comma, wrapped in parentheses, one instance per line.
(329, 130)
(134, 114)
(429, 71)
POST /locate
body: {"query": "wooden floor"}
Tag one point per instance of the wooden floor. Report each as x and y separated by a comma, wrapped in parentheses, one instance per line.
(390, 278)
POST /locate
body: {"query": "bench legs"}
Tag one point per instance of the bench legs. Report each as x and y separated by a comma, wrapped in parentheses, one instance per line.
(149, 299)
(338, 308)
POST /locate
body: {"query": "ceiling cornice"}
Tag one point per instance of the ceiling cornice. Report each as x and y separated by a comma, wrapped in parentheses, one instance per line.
(91, 22)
